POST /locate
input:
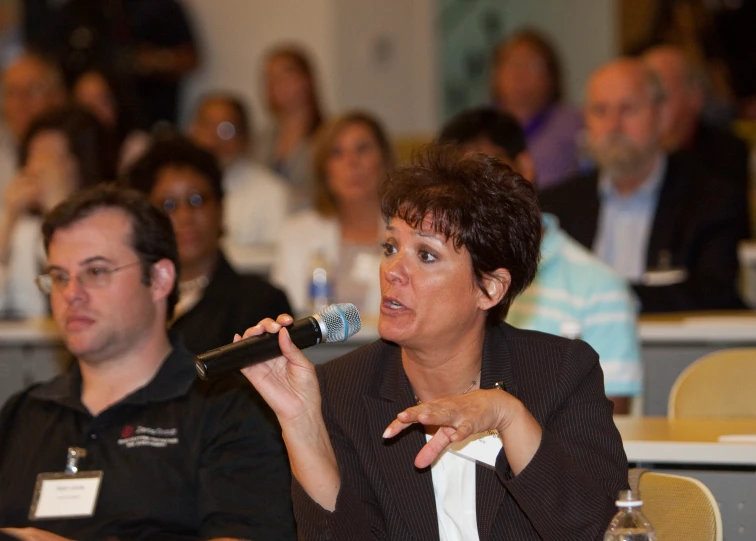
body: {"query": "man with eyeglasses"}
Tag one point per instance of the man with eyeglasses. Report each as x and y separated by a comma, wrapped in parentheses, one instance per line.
(129, 444)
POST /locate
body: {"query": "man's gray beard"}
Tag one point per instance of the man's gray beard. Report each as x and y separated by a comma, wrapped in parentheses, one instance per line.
(621, 159)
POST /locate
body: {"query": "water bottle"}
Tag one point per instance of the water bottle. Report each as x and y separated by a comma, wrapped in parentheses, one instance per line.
(570, 329)
(321, 287)
(629, 524)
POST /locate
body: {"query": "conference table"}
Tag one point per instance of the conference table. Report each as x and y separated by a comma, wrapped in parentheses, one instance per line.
(719, 452)
(671, 342)
(30, 350)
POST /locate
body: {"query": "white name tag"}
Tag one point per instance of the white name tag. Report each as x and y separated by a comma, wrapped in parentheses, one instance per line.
(660, 278)
(482, 448)
(65, 495)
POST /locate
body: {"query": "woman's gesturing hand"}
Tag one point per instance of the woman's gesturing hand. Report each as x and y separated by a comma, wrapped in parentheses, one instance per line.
(462, 416)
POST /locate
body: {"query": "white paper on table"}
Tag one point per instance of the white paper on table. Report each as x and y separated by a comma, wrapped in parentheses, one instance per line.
(738, 438)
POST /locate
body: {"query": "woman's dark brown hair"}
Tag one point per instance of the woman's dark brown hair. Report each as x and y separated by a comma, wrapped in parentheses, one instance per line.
(91, 144)
(478, 202)
(544, 47)
(325, 202)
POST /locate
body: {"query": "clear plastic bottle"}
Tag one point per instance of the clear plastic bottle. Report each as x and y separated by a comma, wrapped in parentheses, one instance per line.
(629, 524)
(321, 286)
(570, 329)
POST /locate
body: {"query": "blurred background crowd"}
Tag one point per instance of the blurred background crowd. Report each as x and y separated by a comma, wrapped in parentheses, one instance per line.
(265, 131)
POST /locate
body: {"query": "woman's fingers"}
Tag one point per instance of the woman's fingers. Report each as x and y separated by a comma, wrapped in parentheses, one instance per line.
(435, 446)
(269, 325)
(458, 418)
(284, 319)
(394, 428)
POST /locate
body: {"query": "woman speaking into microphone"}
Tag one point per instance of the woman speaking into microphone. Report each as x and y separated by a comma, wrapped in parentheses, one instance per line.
(454, 425)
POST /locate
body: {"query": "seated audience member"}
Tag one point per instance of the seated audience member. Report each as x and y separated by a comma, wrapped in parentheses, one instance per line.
(256, 200)
(32, 85)
(527, 83)
(215, 301)
(685, 130)
(63, 150)
(368, 434)
(343, 231)
(292, 98)
(114, 104)
(180, 458)
(668, 227)
(573, 293)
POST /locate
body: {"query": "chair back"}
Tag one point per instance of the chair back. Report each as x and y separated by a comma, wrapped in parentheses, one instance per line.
(680, 508)
(716, 385)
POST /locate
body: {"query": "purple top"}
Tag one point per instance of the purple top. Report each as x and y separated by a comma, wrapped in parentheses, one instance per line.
(552, 138)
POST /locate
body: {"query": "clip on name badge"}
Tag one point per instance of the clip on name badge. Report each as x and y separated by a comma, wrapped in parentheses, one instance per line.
(68, 494)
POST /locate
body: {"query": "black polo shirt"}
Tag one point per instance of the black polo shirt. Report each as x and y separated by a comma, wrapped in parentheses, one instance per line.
(182, 458)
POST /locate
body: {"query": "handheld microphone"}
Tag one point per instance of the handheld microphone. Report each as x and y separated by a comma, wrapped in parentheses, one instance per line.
(334, 323)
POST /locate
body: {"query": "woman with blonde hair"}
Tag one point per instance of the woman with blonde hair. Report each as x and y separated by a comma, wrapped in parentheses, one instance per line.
(341, 234)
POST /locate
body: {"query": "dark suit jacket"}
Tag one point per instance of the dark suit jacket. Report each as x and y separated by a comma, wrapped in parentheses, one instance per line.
(698, 223)
(567, 491)
(721, 153)
(232, 302)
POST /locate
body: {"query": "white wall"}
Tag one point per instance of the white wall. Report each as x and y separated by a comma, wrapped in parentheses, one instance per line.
(386, 61)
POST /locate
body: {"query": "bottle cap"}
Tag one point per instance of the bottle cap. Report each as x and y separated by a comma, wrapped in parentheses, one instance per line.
(570, 329)
(626, 498)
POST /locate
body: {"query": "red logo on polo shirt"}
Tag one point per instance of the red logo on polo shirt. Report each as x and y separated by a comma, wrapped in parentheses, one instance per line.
(143, 436)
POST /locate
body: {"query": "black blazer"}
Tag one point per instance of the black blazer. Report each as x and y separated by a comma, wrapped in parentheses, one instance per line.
(721, 153)
(567, 491)
(232, 302)
(698, 223)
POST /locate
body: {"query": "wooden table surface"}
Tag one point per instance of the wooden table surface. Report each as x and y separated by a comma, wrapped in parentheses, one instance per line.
(689, 441)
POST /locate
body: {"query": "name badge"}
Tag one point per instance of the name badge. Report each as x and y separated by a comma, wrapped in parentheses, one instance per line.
(65, 495)
(482, 448)
(68, 494)
(665, 277)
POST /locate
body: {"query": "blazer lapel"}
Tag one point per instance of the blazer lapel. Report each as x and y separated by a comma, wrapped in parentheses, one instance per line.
(497, 367)
(665, 218)
(585, 222)
(411, 488)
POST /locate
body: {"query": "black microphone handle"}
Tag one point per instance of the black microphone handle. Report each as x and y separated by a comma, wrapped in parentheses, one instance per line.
(256, 349)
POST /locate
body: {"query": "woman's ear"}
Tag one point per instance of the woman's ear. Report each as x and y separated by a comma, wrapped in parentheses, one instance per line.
(496, 285)
(162, 278)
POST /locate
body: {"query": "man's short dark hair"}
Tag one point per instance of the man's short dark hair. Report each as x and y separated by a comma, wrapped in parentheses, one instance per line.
(478, 202)
(177, 151)
(489, 123)
(152, 236)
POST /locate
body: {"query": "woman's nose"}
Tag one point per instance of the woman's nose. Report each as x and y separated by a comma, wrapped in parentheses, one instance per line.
(395, 268)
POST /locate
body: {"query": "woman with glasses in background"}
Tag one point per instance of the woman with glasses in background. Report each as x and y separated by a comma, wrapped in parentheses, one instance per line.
(214, 300)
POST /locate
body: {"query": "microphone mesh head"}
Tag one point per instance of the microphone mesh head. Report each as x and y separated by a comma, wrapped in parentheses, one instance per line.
(341, 321)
